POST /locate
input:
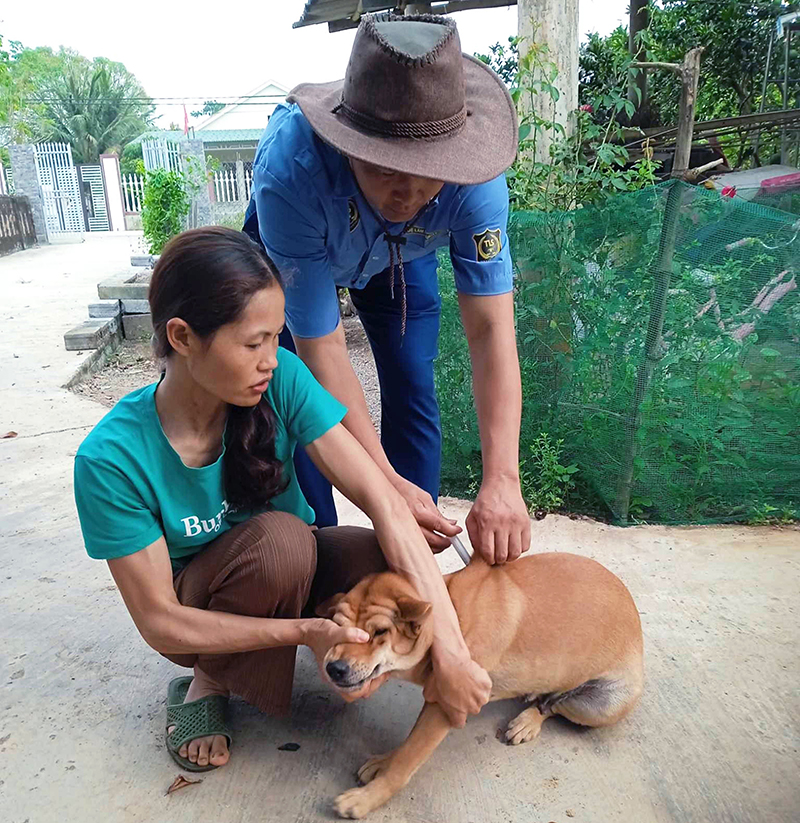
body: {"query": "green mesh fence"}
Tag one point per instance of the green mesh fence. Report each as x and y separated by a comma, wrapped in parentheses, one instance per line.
(659, 337)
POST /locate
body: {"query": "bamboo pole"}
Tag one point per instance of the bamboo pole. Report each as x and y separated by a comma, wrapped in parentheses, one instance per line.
(690, 74)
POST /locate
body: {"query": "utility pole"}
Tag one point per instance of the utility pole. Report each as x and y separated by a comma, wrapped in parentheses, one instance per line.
(555, 23)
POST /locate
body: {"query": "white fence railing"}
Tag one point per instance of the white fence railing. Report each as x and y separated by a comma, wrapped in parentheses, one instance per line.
(132, 192)
(227, 188)
(248, 180)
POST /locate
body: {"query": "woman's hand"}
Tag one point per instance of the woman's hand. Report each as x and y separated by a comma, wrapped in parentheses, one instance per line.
(428, 517)
(459, 685)
(320, 635)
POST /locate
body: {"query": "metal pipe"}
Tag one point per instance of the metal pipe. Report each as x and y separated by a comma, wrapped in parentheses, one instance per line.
(785, 90)
(764, 92)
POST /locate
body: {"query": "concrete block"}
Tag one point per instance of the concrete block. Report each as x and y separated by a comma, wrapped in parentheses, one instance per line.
(118, 289)
(108, 308)
(131, 306)
(137, 326)
(92, 334)
(146, 260)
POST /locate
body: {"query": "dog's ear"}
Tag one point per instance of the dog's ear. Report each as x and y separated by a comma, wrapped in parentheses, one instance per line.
(413, 612)
(328, 607)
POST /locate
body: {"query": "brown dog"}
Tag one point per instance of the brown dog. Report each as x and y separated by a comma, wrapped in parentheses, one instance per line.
(557, 629)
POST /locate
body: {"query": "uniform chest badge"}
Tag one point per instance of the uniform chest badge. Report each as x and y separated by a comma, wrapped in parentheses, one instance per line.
(355, 217)
(487, 244)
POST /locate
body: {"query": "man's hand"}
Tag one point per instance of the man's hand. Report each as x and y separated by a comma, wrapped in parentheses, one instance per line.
(428, 517)
(499, 526)
(459, 685)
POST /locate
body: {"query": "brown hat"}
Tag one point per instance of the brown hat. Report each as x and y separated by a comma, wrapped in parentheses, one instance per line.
(412, 102)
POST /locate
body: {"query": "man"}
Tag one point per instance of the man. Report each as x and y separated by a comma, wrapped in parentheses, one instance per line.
(356, 183)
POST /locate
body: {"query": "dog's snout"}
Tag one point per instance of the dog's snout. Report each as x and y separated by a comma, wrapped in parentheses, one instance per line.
(337, 670)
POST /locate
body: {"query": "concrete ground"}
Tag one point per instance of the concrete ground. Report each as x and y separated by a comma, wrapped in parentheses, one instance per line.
(715, 739)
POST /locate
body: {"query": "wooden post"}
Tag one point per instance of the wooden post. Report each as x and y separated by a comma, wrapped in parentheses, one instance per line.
(639, 19)
(689, 72)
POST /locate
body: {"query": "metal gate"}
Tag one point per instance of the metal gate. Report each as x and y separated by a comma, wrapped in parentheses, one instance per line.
(93, 191)
(159, 153)
(61, 194)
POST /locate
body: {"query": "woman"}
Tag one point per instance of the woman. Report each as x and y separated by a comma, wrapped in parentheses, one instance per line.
(187, 489)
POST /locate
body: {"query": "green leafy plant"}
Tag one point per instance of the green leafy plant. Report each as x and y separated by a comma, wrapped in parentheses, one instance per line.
(545, 481)
(764, 514)
(585, 164)
(131, 159)
(165, 206)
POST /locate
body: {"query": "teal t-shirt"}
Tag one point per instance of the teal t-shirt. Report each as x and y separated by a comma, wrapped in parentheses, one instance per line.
(131, 486)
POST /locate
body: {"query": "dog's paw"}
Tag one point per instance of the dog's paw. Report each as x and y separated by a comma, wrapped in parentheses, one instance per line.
(373, 767)
(524, 727)
(355, 804)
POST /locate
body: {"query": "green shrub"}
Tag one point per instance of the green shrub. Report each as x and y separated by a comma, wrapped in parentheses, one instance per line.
(545, 481)
(164, 208)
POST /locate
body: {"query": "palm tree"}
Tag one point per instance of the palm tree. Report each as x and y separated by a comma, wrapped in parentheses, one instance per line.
(94, 106)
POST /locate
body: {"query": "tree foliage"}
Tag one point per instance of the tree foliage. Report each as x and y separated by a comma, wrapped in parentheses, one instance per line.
(735, 35)
(503, 59)
(210, 107)
(94, 105)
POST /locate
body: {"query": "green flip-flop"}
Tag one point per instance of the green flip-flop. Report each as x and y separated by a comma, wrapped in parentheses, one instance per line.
(198, 718)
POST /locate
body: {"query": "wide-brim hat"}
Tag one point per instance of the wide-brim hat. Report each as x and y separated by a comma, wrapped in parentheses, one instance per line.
(411, 101)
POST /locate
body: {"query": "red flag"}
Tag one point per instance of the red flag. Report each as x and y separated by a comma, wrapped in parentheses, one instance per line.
(185, 121)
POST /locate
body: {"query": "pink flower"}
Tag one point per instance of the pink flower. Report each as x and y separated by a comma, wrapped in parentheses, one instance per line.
(587, 107)
(728, 191)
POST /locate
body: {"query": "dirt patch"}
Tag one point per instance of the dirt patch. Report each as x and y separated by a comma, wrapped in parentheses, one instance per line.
(129, 368)
(133, 366)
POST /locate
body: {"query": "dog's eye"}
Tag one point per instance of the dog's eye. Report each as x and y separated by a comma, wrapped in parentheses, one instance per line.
(379, 632)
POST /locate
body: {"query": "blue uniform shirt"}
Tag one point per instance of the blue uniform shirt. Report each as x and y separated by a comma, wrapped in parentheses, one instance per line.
(321, 233)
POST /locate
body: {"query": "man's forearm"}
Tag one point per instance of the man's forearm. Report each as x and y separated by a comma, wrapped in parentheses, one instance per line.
(329, 362)
(497, 387)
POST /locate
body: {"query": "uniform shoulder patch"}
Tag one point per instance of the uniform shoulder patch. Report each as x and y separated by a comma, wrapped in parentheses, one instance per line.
(487, 244)
(355, 217)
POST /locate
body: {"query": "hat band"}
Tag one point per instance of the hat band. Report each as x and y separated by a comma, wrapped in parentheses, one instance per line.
(429, 128)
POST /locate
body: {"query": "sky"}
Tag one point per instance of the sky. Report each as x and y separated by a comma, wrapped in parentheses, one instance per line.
(226, 51)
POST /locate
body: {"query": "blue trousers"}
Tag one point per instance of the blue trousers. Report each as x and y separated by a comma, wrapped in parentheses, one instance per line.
(410, 433)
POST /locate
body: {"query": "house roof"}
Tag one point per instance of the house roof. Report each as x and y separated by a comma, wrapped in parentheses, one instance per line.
(208, 136)
(266, 95)
(229, 135)
(345, 14)
(166, 134)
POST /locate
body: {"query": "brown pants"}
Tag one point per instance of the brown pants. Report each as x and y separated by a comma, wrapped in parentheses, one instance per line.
(272, 565)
